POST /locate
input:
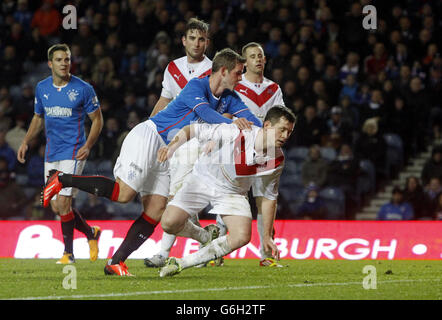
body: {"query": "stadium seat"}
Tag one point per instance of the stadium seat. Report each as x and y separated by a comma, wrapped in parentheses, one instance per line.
(90, 168)
(366, 182)
(395, 150)
(21, 179)
(328, 153)
(105, 168)
(291, 193)
(335, 202)
(297, 154)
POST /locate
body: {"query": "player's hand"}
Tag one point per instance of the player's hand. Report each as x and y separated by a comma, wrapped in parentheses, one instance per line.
(164, 154)
(270, 246)
(83, 153)
(208, 147)
(243, 123)
(22, 152)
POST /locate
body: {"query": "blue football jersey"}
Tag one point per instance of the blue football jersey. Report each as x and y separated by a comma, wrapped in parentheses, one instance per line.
(64, 110)
(196, 103)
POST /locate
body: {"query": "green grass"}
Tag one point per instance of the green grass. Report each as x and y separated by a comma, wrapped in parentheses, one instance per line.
(237, 280)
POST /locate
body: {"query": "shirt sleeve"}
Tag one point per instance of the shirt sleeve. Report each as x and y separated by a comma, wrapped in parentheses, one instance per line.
(38, 106)
(91, 102)
(267, 186)
(239, 109)
(196, 99)
(279, 99)
(166, 91)
(215, 132)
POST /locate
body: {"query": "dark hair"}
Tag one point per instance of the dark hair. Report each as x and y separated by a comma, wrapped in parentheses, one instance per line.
(277, 112)
(196, 24)
(226, 58)
(397, 189)
(56, 47)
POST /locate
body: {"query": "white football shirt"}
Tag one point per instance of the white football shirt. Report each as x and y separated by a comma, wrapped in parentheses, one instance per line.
(178, 73)
(259, 97)
(234, 165)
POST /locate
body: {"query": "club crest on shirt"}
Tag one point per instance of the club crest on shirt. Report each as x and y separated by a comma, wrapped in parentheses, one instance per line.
(72, 95)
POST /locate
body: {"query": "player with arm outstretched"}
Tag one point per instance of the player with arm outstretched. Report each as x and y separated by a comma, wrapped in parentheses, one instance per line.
(223, 178)
(62, 102)
(137, 170)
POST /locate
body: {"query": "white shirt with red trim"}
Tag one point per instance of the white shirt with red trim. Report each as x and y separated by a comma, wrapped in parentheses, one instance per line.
(259, 97)
(234, 165)
(178, 73)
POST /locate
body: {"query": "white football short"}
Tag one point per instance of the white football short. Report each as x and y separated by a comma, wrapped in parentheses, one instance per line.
(181, 164)
(66, 166)
(137, 163)
(195, 195)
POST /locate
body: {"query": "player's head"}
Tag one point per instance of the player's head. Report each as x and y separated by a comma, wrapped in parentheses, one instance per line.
(278, 124)
(230, 65)
(196, 39)
(59, 60)
(255, 57)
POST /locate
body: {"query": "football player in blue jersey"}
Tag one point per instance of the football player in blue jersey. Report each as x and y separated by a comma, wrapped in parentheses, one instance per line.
(62, 102)
(137, 169)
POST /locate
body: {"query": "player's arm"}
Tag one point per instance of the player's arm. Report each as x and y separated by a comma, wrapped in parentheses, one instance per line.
(237, 108)
(166, 93)
(34, 129)
(160, 105)
(211, 116)
(97, 124)
(182, 136)
(268, 209)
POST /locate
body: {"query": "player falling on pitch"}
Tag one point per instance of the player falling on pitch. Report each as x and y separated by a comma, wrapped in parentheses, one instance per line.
(223, 178)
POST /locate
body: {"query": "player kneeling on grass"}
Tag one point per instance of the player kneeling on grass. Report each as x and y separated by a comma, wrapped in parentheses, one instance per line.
(222, 178)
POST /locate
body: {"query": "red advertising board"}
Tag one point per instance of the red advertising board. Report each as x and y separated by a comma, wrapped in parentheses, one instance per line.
(348, 240)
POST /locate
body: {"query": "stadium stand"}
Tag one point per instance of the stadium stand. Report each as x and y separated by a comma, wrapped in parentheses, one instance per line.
(317, 51)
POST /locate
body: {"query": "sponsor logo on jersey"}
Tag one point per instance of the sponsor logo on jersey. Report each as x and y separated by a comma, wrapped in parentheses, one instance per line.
(57, 111)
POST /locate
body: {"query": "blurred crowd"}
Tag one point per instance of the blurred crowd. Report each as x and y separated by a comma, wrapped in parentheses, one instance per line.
(348, 86)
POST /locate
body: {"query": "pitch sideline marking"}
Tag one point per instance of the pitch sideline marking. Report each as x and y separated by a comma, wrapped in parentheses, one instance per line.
(137, 293)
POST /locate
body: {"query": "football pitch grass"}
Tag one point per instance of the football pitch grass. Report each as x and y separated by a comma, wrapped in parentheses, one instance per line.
(42, 279)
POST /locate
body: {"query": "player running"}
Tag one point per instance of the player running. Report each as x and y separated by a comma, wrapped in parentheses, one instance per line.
(223, 178)
(62, 102)
(137, 169)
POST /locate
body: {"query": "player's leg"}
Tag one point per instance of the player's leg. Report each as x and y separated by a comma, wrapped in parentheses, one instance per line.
(135, 159)
(62, 206)
(142, 228)
(177, 221)
(153, 185)
(238, 224)
(180, 166)
(115, 190)
(239, 235)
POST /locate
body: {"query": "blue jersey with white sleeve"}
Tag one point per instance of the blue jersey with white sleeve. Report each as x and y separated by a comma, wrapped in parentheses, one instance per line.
(64, 110)
(196, 103)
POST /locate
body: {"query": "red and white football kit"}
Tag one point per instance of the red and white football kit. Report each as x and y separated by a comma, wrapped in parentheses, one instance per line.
(259, 97)
(178, 73)
(223, 177)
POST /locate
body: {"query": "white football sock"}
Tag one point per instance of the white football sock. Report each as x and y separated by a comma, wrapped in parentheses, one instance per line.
(215, 249)
(167, 242)
(191, 230)
(195, 220)
(222, 227)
